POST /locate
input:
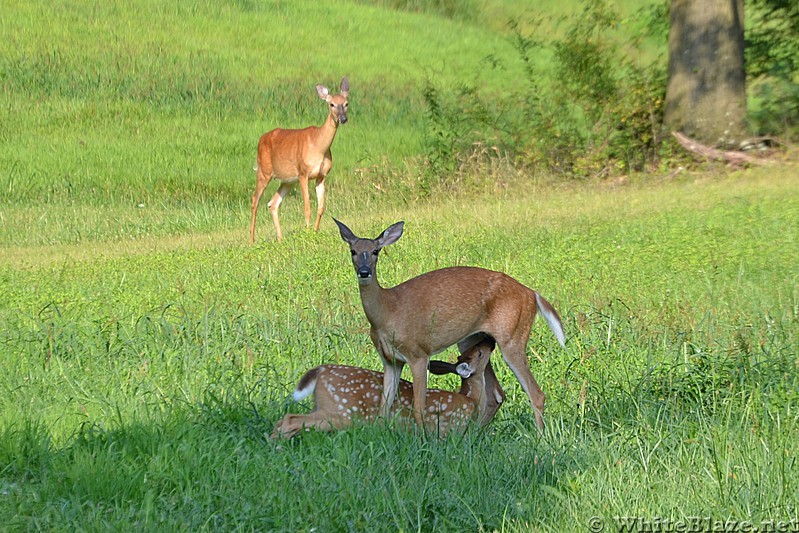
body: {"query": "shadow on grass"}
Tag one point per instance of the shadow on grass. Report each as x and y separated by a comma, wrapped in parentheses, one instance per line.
(212, 466)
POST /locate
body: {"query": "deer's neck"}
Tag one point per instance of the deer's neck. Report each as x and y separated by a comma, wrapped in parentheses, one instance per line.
(326, 134)
(374, 300)
(474, 388)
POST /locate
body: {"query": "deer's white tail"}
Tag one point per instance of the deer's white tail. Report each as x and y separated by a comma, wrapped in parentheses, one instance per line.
(552, 318)
(306, 385)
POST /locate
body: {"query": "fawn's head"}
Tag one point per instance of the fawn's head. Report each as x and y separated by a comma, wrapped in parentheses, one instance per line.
(365, 251)
(337, 102)
(478, 379)
(474, 361)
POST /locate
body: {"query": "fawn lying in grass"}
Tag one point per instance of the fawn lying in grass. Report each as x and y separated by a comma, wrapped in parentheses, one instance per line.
(343, 394)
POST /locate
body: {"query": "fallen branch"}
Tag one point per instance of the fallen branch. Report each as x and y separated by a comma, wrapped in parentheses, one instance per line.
(732, 157)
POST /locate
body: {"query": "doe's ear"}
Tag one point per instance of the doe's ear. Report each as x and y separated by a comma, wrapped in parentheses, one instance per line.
(345, 86)
(346, 234)
(323, 93)
(390, 235)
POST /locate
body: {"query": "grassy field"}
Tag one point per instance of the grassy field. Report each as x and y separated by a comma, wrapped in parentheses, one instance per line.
(146, 115)
(146, 351)
(139, 384)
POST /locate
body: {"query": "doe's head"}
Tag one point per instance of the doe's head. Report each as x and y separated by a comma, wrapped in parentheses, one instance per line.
(338, 102)
(365, 251)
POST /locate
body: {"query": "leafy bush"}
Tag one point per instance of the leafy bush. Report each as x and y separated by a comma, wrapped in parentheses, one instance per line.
(772, 65)
(594, 110)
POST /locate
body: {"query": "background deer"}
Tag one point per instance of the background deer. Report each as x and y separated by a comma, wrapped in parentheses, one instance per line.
(343, 394)
(299, 155)
(433, 311)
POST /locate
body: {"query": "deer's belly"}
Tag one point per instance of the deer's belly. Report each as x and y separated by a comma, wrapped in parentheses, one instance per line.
(390, 351)
(396, 355)
(287, 179)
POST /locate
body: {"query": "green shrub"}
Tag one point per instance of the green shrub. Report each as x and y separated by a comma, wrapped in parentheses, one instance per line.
(772, 65)
(593, 110)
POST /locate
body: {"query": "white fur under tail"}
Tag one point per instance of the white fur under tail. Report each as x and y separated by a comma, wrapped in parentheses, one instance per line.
(305, 391)
(552, 318)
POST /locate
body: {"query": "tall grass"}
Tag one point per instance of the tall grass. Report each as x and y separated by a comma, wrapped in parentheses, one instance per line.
(139, 386)
(100, 84)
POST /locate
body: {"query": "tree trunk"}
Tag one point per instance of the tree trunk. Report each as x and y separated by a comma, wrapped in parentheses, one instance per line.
(706, 90)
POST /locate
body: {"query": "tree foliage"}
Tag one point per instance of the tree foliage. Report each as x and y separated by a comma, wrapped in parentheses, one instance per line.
(772, 58)
(594, 110)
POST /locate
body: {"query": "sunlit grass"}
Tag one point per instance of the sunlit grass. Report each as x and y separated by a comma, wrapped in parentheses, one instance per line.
(146, 350)
(142, 377)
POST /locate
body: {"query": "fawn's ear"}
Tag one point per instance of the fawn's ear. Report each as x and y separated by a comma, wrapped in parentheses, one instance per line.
(499, 396)
(390, 235)
(346, 233)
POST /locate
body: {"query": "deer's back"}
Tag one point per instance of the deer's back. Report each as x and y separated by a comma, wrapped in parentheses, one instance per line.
(448, 304)
(460, 282)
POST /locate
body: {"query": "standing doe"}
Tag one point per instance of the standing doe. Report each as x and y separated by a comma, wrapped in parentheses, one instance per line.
(299, 155)
(343, 394)
(433, 311)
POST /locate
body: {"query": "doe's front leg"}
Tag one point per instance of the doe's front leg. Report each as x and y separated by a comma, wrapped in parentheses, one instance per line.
(306, 200)
(419, 371)
(320, 202)
(391, 380)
